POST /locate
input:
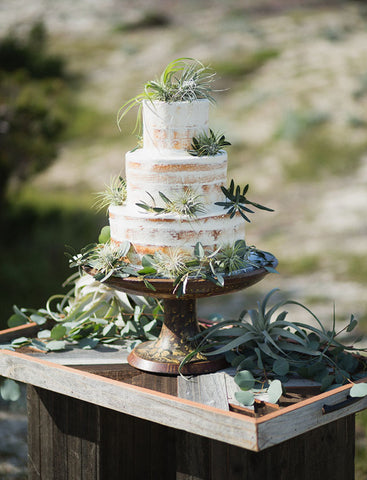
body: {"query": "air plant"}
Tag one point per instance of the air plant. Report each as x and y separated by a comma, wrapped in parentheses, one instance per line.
(184, 79)
(237, 201)
(114, 194)
(106, 258)
(186, 204)
(264, 346)
(208, 144)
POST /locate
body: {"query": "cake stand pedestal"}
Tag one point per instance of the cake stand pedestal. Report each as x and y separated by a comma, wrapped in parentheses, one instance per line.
(180, 325)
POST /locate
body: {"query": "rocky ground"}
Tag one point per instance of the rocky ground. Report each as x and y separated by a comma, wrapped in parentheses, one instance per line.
(297, 122)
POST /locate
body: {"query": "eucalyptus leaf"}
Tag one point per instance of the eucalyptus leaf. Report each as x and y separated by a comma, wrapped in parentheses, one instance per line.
(9, 390)
(104, 235)
(40, 345)
(358, 390)
(20, 341)
(275, 391)
(40, 320)
(88, 343)
(245, 380)
(245, 398)
(281, 366)
(16, 320)
(56, 345)
(58, 332)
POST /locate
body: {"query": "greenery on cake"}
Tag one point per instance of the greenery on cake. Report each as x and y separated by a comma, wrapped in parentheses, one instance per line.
(107, 259)
(268, 350)
(186, 204)
(237, 201)
(184, 79)
(208, 144)
(114, 194)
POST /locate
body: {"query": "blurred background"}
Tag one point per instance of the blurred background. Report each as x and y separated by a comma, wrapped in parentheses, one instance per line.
(292, 100)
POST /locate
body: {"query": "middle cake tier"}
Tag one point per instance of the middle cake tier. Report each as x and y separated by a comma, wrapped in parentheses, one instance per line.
(149, 172)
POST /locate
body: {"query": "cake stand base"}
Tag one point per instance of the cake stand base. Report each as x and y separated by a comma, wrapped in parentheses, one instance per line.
(175, 342)
(178, 340)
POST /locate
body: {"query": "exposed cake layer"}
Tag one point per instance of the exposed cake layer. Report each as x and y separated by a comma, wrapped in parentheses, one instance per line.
(171, 174)
(171, 126)
(148, 232)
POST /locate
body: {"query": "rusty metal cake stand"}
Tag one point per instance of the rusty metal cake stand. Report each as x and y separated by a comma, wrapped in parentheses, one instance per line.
(180, 325)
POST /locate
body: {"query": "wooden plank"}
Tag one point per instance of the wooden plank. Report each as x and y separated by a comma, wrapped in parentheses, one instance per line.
(29, 330)
(164, 409)
(304, 416)
(207, 389)
(46, 432)
(33, 435)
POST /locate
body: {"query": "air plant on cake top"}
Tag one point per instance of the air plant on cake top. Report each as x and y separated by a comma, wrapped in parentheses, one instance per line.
(236, 201)
(208, 144)
(184, 79)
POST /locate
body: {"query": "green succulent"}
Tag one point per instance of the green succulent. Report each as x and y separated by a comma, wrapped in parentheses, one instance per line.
(208, 144)
(237, 201)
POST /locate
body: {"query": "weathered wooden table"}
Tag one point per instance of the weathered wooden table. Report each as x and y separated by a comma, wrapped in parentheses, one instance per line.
(93, 416)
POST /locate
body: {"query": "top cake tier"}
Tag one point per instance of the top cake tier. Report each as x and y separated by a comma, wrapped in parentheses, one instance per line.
(172, 126)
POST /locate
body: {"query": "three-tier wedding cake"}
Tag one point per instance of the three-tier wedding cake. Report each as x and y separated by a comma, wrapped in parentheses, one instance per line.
(164, 166)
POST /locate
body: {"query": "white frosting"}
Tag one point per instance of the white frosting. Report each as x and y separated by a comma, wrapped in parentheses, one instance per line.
(147, 171)
(171, 126)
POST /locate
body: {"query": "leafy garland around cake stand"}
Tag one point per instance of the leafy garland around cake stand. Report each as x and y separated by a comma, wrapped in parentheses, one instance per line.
(266, 352)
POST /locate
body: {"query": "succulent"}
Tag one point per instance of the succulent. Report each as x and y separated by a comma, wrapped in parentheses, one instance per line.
(208, 144)
(237, 201)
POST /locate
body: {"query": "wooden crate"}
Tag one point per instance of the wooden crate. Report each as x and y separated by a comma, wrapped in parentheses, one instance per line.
(199, 405)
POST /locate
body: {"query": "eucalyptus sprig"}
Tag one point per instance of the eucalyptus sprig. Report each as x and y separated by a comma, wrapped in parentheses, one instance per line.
(89, 314)
(114, 194)
(208, 144)
(187, 204)
(237, 201)
(183, 79)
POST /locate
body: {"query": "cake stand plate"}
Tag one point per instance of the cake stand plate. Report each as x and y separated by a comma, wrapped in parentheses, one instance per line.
(175, 342)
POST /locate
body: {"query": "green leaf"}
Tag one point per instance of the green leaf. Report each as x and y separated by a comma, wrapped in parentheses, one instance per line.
(38, 319)
(15, 320)
(104, 235)
(88, 343)
(10, 390)
(245, 380)
(56, 345)
(20, 341)
(58, 332)
(199, 251)
(275, 391)
(352, 323)
(40, 345)
(358, 390)
(245, 398)
(147, 271)
(281, 367)
(19, 312)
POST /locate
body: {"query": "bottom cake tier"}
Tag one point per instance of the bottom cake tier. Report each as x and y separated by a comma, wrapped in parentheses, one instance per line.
(149, 233)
